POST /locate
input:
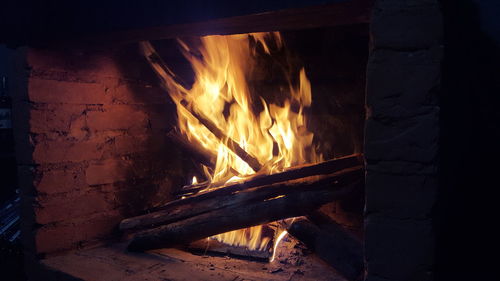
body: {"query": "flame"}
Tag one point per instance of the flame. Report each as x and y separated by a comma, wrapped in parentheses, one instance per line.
(277, 136)
(194, 180)
(250, 237)
(276, 243)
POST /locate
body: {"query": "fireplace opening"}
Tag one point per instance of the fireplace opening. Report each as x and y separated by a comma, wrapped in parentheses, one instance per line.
(197, 157)
(251, 123)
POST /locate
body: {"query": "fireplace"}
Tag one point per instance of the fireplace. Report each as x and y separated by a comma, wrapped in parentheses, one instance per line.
(97, 139)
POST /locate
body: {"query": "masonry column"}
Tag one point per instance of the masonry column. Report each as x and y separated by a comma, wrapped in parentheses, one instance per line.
(401, 139)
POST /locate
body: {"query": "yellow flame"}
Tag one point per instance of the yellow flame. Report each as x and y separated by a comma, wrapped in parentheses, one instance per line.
(194, 180)
(277, 136)
(250, 237)
(276, 243)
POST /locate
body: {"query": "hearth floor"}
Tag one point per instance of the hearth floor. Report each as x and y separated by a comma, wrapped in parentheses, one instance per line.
(114, 263)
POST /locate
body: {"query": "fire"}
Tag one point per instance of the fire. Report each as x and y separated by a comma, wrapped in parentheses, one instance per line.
(276, 136)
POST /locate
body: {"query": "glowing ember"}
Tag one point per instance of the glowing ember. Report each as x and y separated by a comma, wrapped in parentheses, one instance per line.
(277, 136)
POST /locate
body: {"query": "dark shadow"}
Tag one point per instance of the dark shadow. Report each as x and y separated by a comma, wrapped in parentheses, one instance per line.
(161, 167)
(467, 207)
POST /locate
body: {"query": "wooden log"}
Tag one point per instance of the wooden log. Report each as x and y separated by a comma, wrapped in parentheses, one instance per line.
(240, 216)
(306, 170)
(333, 244)
(225, 139)
(194, 208)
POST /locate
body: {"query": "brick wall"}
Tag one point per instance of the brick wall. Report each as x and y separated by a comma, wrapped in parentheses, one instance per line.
(401, 139)
(91, 147)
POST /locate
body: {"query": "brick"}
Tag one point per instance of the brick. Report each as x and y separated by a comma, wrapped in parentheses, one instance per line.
(58, 181)
(71, 205)
(56, 117)
(52, 91)
(58, 237)
(107, 171)
(127, 144)
(117, 117)
(127, 93)
(71, 65)
(68, 151)
(78, 128)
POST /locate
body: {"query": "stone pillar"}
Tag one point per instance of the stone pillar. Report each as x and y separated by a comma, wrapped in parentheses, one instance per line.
(401, 139)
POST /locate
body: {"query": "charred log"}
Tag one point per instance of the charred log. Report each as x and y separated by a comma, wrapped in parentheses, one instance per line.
(205, 204)
(250, 213)
(307, 170)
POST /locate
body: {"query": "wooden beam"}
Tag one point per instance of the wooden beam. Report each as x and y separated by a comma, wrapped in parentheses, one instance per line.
(333, 14)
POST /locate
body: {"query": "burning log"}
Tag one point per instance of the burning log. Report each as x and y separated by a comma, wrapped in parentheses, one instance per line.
(258, 188)
(230, 144)
(307, 170)
(163, 71)
(331, 243)
(296, 198)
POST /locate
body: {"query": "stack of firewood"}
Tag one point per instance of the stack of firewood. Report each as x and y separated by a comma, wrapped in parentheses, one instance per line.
(298, 191)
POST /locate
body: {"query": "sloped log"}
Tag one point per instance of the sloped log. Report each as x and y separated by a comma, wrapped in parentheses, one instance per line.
(239, 216)
(163, 72)
(263, 192)
(297, 172)
(333, 244)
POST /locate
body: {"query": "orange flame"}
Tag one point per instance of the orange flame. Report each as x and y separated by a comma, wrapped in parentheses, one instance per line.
(277, 136)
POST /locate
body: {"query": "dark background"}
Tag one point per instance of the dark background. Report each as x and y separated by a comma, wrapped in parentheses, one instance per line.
(466, 212)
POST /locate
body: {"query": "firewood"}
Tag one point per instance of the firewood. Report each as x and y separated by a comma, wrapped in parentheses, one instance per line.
(224, 200)
(219, 134)
(244, 215)
(333, 244)
(306, 170)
